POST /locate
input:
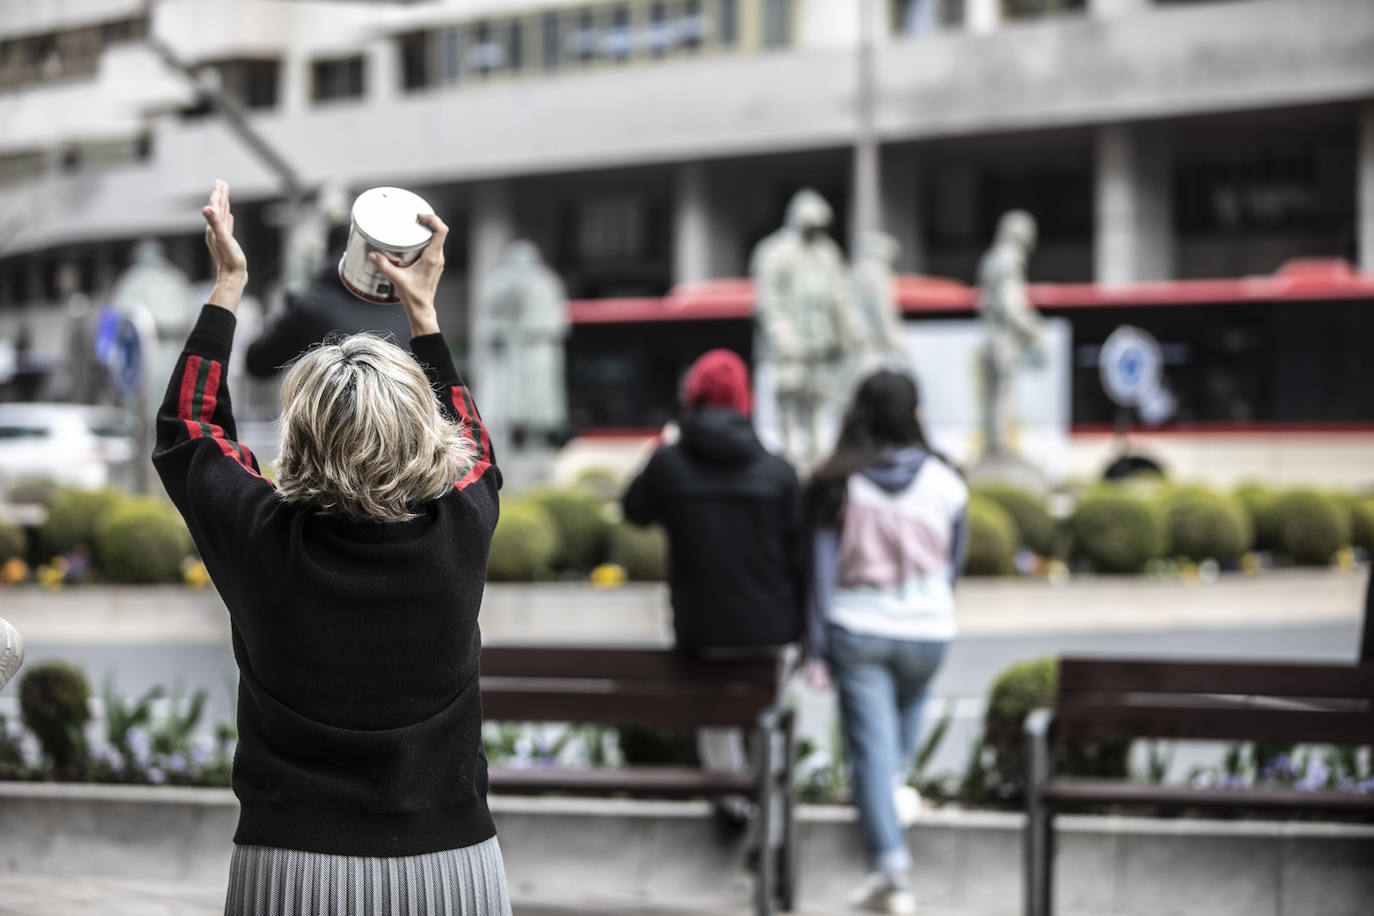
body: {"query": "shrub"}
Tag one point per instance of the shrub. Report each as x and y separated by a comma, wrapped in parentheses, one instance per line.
(1117, 530)
(524, 544)
(13, 542)
(54, 703)
(1308, 527)
(142, 541)
(1034, 527)
(1258, 502)
(1014, 693)
(72, 520)
(991, 539)
(1208, 526)
(583, 531)
(1362, 525)
(642, 551)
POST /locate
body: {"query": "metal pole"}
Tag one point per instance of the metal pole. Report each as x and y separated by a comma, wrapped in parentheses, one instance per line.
(866, 206)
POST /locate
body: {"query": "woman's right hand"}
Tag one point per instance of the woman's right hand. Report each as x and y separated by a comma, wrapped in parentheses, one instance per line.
(231, 266)
(417, 283)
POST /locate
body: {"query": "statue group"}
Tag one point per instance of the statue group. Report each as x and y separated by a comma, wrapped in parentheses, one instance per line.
(821, 327)
(820, 324)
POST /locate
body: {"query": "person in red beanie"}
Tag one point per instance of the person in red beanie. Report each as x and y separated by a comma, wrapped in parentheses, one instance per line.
(737, 545)
(733, 513)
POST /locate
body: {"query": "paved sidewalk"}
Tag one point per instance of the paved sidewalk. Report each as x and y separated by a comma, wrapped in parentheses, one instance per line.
(52, 895)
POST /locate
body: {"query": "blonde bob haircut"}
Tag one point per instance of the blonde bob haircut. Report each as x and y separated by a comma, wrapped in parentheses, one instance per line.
(362, 435)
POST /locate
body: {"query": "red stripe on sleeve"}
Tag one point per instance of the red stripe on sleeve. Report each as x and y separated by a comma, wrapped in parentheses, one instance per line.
(478, 431)
(210, 398)
(187, 396)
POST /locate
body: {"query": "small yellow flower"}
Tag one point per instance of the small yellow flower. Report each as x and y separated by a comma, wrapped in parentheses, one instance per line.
(51, 576)
(1345, 559)
(195, 574)
(1250, 563)
(608, 575)
(14, 570)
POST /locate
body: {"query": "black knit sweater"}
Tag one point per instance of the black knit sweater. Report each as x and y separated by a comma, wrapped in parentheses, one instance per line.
(357, 643)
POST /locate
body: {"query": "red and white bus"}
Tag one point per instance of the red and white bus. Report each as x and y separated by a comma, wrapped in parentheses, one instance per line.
(1273, 375)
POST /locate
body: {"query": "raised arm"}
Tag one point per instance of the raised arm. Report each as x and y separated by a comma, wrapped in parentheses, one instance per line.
(212, 478)
(416, 284)
(196, 405)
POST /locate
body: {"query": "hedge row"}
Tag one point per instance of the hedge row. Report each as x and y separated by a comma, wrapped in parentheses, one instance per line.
(551, 533)
(1123, 527)
(108, 533)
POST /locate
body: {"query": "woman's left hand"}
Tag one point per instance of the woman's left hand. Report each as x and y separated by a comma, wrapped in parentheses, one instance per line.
(231, 266)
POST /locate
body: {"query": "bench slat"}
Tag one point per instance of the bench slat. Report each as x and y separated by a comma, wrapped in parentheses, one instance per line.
(655, 665)
(1107, 792)
(1089, 720)
(559, 701)
(661, 782)
(1093, 675)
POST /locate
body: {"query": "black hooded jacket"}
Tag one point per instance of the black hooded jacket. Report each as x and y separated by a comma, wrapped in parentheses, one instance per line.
(326, 306)
(737, 544)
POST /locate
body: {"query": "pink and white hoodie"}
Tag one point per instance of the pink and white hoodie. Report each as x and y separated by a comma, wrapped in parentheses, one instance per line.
(889, 570)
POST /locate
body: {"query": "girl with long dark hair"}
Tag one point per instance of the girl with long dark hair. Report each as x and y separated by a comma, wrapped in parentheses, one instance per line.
(888, 516)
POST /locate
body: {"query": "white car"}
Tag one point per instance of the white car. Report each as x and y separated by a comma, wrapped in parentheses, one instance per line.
(72, 444)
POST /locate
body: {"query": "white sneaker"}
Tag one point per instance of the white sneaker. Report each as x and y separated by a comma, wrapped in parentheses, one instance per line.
(11, 651)
(908, 803)
(879, 895)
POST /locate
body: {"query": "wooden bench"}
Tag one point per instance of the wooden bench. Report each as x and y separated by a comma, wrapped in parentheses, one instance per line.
(656, 687)
(1104, 699)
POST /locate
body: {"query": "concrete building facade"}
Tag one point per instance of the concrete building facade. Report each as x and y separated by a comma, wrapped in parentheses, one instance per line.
(645, 143)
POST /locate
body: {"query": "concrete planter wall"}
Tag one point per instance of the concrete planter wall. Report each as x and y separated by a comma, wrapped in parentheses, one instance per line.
(613, 852)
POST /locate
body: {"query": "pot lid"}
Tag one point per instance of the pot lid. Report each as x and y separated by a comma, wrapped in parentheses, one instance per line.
(386, 216)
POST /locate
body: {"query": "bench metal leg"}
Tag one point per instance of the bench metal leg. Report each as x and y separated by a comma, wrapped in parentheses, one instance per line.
(764, 874)
(787, 860)
(1039, 838)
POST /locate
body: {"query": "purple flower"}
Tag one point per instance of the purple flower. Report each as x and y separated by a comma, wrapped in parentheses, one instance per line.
(156, 776)
(177, 763)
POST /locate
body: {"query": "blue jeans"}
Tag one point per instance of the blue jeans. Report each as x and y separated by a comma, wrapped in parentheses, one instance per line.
(882, 686)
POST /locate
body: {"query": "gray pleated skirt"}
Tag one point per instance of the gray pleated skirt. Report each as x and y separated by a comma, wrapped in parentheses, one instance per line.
(265, 881)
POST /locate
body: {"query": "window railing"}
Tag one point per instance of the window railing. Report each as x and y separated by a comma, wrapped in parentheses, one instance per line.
(589, 37)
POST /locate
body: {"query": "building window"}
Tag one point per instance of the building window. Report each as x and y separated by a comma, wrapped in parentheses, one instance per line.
(729, 22)
(777, 23)
(1025, 9)
(549, 41)
(338, 78)
(417, 60)
(582, 39)
(693, 28)
(251, 83)
(515, 46)
(618, 43)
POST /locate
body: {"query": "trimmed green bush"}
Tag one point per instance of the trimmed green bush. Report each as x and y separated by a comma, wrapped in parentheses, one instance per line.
(141, 541)
(991, 539)
(1014, 693)
(54, 704)
(72, 520)
(1208, 526)
(1308, 527)
(1258, 502)
(583, 531)
(1034, 526)
(1117, 530)
(1362, 524)
(524, 544)
(642, 551)
(13, 542)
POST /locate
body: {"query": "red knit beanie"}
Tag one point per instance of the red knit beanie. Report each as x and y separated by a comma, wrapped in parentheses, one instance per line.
(719, 378)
